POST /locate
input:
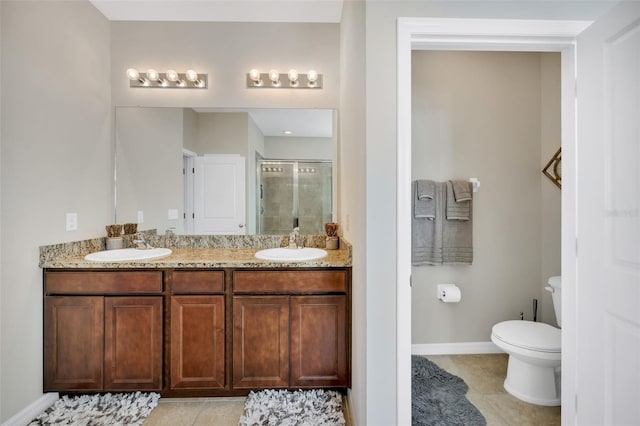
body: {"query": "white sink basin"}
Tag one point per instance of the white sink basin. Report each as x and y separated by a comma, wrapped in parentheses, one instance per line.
(123, 255)
(284, 254)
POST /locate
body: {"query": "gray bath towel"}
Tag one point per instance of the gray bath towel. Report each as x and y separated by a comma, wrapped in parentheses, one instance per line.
(457, 240)
(439, 241)
(424, 204)
(426, 235)
(457, 210)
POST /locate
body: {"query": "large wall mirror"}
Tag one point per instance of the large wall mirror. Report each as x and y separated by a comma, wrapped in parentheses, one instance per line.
(214, 171)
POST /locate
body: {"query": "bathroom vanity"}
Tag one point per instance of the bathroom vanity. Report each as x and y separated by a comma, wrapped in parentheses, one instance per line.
(200, 322)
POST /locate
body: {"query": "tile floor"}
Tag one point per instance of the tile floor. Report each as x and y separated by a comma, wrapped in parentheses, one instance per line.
(484, 374)
(201, 411)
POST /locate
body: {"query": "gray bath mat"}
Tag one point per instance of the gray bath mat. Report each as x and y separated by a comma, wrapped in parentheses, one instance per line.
(300, 408)
(438, 398)
(117, 409)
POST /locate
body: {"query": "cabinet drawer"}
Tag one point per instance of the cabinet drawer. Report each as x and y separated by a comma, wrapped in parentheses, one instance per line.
(326, 281)
(103, 282)
(189, 282)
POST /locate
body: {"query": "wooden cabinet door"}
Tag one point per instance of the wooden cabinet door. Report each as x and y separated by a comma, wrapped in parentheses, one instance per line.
(133, 343)
(73, 343)
(318, 341)
(197, 342)
(260, 342)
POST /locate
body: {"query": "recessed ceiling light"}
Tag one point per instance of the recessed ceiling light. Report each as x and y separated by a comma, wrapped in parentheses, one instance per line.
(287, 132)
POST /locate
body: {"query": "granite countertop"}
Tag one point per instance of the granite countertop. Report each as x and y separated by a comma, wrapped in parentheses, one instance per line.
(196, 251)
(206, 258)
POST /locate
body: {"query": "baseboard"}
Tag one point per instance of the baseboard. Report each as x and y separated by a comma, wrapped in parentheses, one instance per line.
(455, 348)
(31, 411)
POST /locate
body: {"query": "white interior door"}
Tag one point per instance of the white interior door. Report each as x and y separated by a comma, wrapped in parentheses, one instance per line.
(219, 195)
(608, 272)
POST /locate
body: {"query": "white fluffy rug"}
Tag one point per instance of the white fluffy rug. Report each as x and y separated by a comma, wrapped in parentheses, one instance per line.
(116, 409)
(299, 408)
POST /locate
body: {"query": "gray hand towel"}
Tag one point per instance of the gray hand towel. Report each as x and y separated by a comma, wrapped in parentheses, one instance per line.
(456, 210)
(424, 204)
(461, 190)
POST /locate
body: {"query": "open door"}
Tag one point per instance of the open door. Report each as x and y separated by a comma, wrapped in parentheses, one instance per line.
(608, 271)
(219, 195)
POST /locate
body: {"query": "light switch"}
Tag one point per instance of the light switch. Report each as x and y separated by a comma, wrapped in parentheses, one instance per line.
(72, 221)
(172, 214)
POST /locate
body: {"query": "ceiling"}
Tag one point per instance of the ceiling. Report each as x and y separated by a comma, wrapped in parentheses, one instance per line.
(318, 11)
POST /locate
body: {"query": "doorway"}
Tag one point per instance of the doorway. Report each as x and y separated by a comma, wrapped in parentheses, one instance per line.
(494, 116)
(481, 34)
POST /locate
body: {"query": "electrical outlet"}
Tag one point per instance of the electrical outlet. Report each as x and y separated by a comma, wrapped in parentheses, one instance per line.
(140, 216)
(172, 214)
(72, 221)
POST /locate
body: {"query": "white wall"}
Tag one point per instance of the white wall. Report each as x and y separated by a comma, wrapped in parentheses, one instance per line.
(56, 158)
(189, 129)
(380, 163)
(222, 133)
(550, 119)
(225, 51)
(352, 215)
(149, 145)
(255, 146)
(486, 124)
(294, 148)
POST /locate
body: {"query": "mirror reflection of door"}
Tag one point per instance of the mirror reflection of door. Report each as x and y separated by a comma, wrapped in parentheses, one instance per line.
(293, 193)
(219, 195)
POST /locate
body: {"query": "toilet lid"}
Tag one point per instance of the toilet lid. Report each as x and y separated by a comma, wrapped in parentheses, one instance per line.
(535, 336)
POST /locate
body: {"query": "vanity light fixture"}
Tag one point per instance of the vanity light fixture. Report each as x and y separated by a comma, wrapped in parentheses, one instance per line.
(293, 77)
(274, 76)
(169, 80)
(291, 80)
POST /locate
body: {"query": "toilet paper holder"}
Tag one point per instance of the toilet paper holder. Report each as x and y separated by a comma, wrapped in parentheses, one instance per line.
(442, 290)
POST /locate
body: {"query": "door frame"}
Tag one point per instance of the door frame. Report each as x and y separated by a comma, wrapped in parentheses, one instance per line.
(479, 35)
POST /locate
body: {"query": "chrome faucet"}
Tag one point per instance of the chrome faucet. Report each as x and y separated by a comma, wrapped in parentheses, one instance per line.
(294, 236)
(141, 243)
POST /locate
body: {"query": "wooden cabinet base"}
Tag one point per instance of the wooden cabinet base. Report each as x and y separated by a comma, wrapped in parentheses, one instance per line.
(196, 332)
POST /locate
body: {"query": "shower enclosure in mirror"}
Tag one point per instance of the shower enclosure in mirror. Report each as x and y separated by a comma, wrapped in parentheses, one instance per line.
(293, 193)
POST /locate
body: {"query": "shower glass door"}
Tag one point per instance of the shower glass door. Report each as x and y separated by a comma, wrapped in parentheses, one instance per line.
(293, 192)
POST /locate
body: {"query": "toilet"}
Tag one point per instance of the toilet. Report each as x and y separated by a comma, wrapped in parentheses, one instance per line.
(533, 372)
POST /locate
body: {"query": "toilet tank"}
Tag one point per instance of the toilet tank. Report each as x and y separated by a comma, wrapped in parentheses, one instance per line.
(554, 288)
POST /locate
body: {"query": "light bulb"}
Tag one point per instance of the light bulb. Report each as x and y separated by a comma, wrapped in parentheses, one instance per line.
(254, 75)
(172, 75)
(153, 75)
(192, 75)
(133, 74)
(293, 76)
(312, 76)
(274, 76)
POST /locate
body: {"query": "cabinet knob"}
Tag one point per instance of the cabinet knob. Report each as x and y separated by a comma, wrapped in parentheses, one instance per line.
(241, 225)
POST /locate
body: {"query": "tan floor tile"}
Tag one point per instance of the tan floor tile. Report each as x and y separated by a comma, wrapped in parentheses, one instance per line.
(174, 413)
(484, 373)
(522, 413)
(445, 362)
(226, 412)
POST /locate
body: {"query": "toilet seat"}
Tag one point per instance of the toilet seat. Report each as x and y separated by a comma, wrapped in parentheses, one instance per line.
(529, 335)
